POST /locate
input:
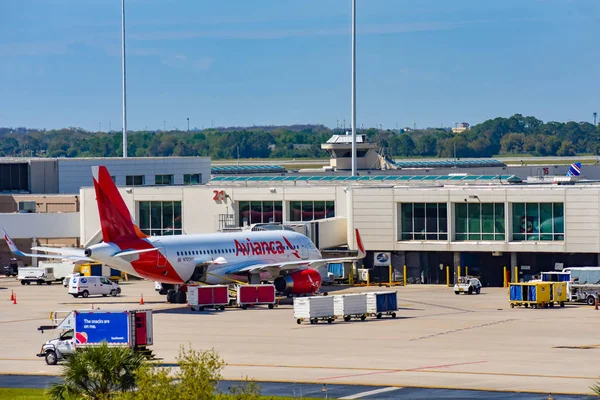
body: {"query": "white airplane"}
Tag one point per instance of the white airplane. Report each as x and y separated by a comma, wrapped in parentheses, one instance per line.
(287, 257)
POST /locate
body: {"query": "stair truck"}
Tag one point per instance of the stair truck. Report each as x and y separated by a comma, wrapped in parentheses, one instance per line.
(84, 328)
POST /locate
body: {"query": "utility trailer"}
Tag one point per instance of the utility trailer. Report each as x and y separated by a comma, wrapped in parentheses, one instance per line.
(350, 306)
(382, 303)
(530, 294)
(201, 297)
(84, 328)
(314, 309)
(253, 295)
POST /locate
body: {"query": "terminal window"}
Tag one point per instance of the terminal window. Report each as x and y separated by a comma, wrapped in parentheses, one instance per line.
(310, 210)
(14, 177)
(192, 179)
(424, 221)
(160, 218)
(134, 180)
(163, 179)
(538, 221)
(260, 212)
(479, 221)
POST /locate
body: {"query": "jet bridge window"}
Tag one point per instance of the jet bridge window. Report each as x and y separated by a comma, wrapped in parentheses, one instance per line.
(160, 218)
(256, 212)
(311, 210)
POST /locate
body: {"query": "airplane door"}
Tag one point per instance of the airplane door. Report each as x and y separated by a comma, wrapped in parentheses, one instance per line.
(304, 250)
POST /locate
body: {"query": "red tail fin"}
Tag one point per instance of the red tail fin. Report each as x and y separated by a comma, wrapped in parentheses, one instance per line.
(115, 219)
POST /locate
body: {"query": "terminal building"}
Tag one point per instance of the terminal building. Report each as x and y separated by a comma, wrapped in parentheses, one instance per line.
(480, 216)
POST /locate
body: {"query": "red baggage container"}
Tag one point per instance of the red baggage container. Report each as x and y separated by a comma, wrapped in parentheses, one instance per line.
(201, 297)
(256, 295)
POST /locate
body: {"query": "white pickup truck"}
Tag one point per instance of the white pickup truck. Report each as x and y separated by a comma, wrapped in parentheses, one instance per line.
(38, 275)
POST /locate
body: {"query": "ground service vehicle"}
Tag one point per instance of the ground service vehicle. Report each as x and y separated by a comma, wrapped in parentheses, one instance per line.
(584, 284)
(468, 285)
(131, 328)
(12, 269)
(67, 280)
(61, 268)
(38, 275)
(85, 286)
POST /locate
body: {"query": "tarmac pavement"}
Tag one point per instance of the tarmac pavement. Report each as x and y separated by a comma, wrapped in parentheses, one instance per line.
(440, 341)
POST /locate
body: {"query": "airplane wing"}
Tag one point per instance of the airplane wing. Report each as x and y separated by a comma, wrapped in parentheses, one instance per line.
(293, 265)
(67, 253)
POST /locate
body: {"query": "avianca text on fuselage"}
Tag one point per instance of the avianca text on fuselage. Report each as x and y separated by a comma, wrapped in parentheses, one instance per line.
(259, 248)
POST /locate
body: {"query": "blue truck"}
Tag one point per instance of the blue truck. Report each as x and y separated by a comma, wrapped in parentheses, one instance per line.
(131, 328)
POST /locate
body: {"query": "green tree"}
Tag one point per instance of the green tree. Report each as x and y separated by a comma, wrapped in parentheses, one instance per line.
(196, 378)
(97, 373)
(566, 149)
(596, 389)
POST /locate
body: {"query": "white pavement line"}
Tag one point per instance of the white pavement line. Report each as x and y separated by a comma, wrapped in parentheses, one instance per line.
(370, 393)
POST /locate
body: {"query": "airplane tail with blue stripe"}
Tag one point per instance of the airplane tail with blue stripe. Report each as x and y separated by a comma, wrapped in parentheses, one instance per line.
(574, 169)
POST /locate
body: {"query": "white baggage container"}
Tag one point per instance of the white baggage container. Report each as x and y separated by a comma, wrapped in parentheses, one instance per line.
(313, 309)
(350, 306)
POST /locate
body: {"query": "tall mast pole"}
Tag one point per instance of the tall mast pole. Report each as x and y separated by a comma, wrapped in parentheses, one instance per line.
(124, 79)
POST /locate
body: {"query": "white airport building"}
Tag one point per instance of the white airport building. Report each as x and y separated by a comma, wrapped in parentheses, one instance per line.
(483, 218)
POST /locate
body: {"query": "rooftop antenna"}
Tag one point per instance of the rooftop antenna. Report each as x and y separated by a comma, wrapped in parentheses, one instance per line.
(124, 81)
(353, 87)
(595, 117)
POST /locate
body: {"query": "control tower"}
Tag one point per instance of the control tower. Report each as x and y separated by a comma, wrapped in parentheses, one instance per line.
(340, 149)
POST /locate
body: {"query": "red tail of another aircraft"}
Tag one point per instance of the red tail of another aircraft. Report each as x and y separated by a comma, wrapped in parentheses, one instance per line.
(115, 219)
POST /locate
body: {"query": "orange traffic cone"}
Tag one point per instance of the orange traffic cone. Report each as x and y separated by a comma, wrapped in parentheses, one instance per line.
(15, 299)
(142, 299)
(12, 295)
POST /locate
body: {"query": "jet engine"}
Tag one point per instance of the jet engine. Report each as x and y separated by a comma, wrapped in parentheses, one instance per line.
(306, 281)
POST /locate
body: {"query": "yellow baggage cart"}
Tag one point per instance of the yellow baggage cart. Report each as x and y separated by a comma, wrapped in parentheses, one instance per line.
(559, 295)
(530, 294)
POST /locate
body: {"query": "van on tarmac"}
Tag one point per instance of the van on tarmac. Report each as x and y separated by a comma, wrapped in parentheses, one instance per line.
(86, 286)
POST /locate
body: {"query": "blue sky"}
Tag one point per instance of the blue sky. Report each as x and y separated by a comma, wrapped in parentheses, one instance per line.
(240, 62)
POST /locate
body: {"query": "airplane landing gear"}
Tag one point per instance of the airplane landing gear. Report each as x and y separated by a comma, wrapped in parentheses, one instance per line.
(176, 296)
(181, 297)
(171, 294)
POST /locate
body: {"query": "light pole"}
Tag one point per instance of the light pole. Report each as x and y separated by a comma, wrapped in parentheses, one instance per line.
(353, 87)
(188, 121)
(165, 126)
(124, 79)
